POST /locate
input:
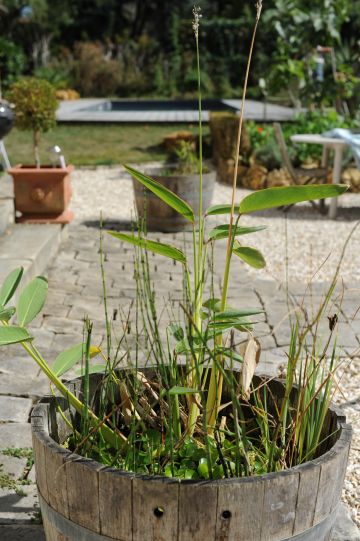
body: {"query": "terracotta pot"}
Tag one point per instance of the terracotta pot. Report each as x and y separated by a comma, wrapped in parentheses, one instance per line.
(42, 194)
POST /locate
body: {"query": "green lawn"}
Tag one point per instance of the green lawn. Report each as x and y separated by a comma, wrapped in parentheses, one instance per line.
(91, 144)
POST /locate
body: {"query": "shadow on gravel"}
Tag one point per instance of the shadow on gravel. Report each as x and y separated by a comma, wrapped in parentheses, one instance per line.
(114, 225)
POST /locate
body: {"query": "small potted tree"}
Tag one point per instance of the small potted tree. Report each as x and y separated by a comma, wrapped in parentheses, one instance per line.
(42, 193)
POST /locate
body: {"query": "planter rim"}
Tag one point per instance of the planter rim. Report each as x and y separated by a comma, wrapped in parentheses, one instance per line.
(20, 168)
(40, 413)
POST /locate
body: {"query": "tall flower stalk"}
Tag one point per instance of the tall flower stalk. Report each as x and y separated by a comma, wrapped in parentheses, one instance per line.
(216, 379)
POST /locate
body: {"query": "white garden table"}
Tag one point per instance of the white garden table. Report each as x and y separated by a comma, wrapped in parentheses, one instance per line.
(328, 143)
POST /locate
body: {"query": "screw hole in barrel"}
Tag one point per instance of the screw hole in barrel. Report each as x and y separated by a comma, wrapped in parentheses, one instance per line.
(158, 512)
(226, 515)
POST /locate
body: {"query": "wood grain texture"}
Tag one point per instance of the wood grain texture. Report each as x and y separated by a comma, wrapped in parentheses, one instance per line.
(243, 500)
(197, 511)
(278, 514)
(329, 464)
(55, 465)
(150, 494)
(83, 491)
(306, 500)
(40, 469)
(344, 444)
(115, 501)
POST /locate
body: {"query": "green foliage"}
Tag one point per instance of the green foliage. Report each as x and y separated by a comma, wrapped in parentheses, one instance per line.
(35, 104)
(315, 122)
(31, 300)
(10, 285)
(12, 62)
(166, 195)
(301, 27)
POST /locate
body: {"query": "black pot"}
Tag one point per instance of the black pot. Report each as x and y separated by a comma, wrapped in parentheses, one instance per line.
(7, 118)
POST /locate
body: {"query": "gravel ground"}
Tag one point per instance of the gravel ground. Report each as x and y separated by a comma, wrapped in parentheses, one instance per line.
(312, 244)
(310, 239)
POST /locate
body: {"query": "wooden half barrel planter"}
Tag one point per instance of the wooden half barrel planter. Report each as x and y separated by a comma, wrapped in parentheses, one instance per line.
(161, 217)
(42, 194)
(82, 500)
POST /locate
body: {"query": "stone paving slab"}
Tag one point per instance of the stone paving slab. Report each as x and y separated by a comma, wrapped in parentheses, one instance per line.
(15, 435)
(6, 214)
(14, 409)
(19, 508)
(22, 533)
(96, 110)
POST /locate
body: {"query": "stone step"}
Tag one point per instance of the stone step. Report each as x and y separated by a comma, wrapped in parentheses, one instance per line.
(31, 247)
(6, 203)
(6, 214)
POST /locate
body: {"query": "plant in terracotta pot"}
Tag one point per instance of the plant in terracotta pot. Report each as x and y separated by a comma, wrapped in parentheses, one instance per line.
(182, 441)
(42, 193)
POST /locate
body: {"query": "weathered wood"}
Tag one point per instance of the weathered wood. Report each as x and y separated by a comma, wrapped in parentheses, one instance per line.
(161, 217)
(239, 509)
(55, 465)
(84, 501)
(329, 464)
(278, 513)
(306, 500)
(155, 509)
(115, 502)
(197, 511)
(40, 427)
(83, 491)
(343, 447)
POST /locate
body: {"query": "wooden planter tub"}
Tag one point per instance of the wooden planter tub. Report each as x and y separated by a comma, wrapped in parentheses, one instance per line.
(81, 500)
(161, 217)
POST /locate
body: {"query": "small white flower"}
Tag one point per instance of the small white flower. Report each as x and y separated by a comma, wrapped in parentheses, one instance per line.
(196, 21)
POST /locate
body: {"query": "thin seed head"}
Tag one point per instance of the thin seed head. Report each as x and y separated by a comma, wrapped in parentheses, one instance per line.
(258, 8)
(196, 20)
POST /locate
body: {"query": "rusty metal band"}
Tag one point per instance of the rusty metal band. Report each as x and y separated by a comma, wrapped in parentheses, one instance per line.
(69, 529)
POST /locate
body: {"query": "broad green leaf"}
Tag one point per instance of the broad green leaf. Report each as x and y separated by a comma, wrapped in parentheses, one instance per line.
(203, 468)
(6, 313)
(151, 246)
(221, 209)
(251, 256)
(68, 358)
(288, 195)
(212, 304)
(222, 231)
(13, 335)
(93, 369)
(10, 285)
(232, 314)
(31, 300)
(182, 390)
(166, 195)
(176, 331)
(241, 324)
